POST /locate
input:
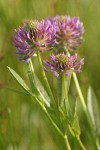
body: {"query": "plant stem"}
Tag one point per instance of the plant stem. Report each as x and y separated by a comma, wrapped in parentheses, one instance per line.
(82, 99)
(79, 92)
(98, 144)
(85, 110)
(34, 87)
(67, 143)
(65, 92)
(54, 124)
(61, 90)
(69, 109)
(45, 79)
(80, 143)
(39, 98)
(51, 120)
(31, 75)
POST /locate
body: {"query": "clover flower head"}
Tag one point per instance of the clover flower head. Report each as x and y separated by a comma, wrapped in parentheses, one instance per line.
(61, 33)
(69, 31)
(24, 40)
(63, 63)
(34, 36)
(46, 35)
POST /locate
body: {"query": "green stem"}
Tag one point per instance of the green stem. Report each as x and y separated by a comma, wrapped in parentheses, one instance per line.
(34, 87)
(65, 86)
(98, 144)
(45, 79)
(65, 92)
(31, 75)
(82, 99)
(51, 120)
(39, 99)
(69, 109)
(80, 93)
(67, 143)
(61, 91)
(80, 143)
(54, 124)
(85, 109)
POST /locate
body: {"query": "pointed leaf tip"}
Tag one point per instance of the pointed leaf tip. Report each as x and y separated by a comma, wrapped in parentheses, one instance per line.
(93, 108)
(19, 80)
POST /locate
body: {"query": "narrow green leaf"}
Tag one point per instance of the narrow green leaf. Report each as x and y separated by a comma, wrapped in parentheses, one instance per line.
(31, 75)
(76, 126)
(42, 91)
(93, 108)
(77, 108)
(61, 92)
(45, 80)
(68, 80)
(36, 85)
(71, 130)
(19, 92)
(60, 89)
(19, 80)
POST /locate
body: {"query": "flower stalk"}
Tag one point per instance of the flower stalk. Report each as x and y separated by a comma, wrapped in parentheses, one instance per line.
(68, 109)
(31, 75)
(34, 88)
(39, 100)
(67, 143)
(85, 110)
(80, 143)
(65, 93)
(45, 80)
(55, 126)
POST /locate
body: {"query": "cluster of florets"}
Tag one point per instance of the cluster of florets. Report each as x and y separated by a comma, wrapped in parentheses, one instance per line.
(69, 31)
(64, 63)
(60, 34)
(33, 36)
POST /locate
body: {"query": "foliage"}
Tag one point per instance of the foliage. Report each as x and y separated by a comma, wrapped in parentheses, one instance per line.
(19, 118)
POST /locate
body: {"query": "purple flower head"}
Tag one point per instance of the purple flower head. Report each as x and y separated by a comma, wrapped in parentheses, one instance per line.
(69, 31)
(46, 35)
(34, 36)
(59, 33)
(24, 40)
(63, 63)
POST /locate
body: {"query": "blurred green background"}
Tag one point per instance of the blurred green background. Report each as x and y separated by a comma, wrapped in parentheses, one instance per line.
(22, 124)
